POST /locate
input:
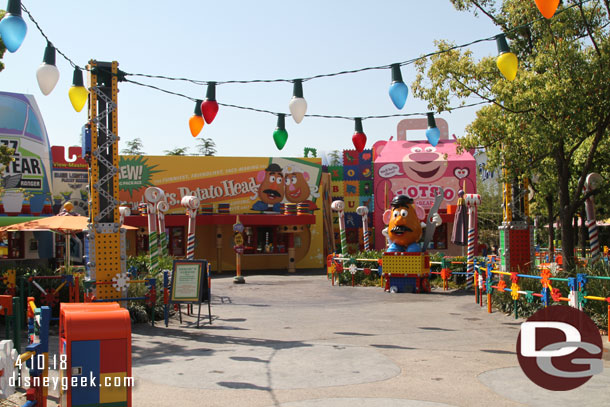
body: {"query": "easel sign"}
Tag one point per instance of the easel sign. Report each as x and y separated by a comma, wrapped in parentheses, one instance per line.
(190, 285)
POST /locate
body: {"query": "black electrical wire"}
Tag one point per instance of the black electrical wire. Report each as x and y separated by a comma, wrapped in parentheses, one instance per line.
(345, 72)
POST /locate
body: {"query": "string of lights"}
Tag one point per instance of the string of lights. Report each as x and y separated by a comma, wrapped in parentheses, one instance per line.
(13, 30)
(319, 116)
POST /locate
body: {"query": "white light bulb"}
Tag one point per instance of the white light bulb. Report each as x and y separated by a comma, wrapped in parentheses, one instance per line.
(47, 76)
(298, 108)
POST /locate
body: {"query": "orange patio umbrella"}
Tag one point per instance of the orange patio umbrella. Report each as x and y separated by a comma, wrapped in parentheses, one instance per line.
(65, 224)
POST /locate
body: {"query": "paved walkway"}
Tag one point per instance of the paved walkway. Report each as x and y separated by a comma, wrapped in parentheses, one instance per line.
(296, 341)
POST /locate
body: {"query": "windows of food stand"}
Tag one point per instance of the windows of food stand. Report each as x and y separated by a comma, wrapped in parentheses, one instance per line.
(15, 245)
(264, 240)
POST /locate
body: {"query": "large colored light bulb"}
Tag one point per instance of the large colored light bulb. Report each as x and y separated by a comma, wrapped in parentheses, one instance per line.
(12, 26)
(196, 121)
(433, 134)
(547, 7)
(359, 138)
(280, 135)
(77, 93)
(298, 104)
(209, 107)
(47, 73)
(507, 61)
(398, 90)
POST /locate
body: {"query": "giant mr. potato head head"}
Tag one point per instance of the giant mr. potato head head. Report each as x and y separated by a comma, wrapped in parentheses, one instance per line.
(404, 224)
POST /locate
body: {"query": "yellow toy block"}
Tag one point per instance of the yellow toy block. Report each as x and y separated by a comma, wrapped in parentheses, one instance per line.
(405, 264)
(109, 393)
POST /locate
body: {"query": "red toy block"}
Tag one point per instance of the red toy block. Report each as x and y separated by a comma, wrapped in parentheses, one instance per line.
(113, 355)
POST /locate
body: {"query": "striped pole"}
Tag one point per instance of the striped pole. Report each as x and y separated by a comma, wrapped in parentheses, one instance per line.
(472, 200)
(339, 206)
(153, 195)
(363, 211)
(162, 207)
(191, 203)
(592, 183)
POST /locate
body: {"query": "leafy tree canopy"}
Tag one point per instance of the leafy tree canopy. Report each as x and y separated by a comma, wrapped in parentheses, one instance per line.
(552, 120)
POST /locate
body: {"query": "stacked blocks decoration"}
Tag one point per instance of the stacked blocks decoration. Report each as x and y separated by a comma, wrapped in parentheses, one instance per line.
(353, 183)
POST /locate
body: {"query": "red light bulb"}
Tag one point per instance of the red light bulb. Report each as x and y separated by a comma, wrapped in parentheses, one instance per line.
(209, 107)
(359, 138)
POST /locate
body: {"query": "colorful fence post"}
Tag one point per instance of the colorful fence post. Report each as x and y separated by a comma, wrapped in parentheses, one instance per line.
(153, 195)
(472, 201)
(162, 207)
(363, 211)
(339, 206)
(191, 203)
(592, 182)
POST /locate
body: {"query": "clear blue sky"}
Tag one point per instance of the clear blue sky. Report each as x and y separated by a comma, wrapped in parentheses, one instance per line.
(232, 40)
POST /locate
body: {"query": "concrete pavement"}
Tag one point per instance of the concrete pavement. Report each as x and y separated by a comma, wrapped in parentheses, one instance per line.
(296, 341)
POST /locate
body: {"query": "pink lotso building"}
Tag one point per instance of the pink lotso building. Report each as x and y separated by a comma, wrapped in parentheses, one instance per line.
(417, 169)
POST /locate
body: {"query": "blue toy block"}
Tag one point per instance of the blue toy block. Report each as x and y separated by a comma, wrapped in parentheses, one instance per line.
(85, 362)
(404, 284)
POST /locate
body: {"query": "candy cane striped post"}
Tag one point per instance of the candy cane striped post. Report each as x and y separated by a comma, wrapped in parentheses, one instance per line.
(472, 201)
(162, 207)
(191, 203)
(153, 195)
(363, 211)
(591, 183)
(339, 206)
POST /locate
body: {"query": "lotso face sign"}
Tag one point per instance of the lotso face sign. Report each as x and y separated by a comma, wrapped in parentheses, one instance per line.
(417, 170)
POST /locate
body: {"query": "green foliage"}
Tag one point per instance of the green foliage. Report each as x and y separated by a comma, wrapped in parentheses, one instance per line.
(334, 158)
(2, 47)
(205, 147)
(139, 310)
(177, 151)
(553, 120)
(134, 147)
(361, 278)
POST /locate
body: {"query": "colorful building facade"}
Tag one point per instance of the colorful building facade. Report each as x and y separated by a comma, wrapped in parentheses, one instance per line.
(258, 189)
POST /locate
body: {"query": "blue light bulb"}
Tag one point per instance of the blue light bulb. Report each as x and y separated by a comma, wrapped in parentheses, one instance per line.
(398, 89)
(398, 93)
(12, 31)
(433, 135)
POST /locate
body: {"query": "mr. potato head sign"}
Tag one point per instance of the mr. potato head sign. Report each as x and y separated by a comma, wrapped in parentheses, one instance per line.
(292, 183)
(417, 169)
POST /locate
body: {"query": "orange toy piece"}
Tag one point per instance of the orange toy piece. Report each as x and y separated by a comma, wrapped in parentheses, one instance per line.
(95, 341)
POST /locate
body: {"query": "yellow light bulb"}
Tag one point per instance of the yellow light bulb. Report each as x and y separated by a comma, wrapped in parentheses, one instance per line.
(508, 65)
(78, 97)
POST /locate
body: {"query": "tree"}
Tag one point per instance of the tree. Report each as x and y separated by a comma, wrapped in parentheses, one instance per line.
(2, 47)
(334, 158)
(176, 151)
(134, 147)
(206, 147)
(552, 119)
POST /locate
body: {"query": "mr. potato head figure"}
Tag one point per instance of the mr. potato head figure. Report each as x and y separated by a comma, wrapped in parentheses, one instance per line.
(404, 220)
(271, 189)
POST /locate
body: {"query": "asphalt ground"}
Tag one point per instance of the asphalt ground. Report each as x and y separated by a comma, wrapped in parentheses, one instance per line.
(297, 341)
